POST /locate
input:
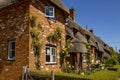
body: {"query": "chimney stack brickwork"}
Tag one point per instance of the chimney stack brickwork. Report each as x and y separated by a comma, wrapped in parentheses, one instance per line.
(72, 14)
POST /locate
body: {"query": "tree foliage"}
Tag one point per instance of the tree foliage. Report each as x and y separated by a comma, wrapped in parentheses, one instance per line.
(112, 52)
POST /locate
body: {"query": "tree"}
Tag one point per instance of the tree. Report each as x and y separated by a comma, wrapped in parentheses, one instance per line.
(118, 57)
(112, 52)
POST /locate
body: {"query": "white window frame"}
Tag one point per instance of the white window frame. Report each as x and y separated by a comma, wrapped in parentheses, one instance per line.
(53, 12)
(51, 55)
(10, 50)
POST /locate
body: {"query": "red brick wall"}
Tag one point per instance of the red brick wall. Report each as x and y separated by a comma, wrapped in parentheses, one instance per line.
(48, 26)
(14, 26)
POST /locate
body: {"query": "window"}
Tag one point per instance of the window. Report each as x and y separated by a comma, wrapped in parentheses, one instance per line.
(49, 12)
(11, 50)
(50, 54)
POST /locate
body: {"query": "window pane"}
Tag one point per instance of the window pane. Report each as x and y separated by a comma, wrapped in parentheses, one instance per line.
(11, 54)
(48, 51)
(47, 58)
(11, 50)
(13, 45)
(53, 51)
(49, 11)
(54, 59)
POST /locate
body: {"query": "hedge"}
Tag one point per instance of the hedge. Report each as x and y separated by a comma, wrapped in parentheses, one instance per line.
(58, 76)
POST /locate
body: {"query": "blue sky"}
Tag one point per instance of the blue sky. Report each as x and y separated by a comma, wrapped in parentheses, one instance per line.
(103, 16)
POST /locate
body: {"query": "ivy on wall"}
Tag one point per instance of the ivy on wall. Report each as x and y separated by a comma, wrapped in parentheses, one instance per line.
(65, 54)
(55, 36)
(33, 20)
(89, 54)
(37, 42)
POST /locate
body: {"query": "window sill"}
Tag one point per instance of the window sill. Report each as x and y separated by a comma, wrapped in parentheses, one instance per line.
(50, 63)
(11, 59)
(53, 19)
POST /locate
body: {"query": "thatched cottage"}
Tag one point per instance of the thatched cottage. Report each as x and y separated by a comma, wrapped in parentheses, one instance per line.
(33, 32)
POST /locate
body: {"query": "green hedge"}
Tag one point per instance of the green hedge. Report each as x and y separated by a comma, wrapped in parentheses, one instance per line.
(69, 78)
(59, 76)
(112, 69)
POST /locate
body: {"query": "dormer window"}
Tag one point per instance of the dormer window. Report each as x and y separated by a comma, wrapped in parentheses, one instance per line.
(49, 12)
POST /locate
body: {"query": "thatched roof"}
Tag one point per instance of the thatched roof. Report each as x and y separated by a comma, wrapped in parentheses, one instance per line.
(4, 3)
(60, 5)
(80, 37)
(72, 24)
(78, 46)
(103, 44)
(94, 41)
(69, 32)
(105, 54)
(78, 40)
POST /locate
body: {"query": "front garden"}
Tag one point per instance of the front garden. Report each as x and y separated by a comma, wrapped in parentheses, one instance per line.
(98, 75)
(108, 71)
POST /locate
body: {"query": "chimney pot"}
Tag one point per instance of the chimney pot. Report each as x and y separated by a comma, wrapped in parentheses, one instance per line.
(91, 30)
(72, 14)
(87, 27)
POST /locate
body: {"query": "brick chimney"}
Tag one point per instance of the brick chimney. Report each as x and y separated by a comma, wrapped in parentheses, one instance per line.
(72, 14)
(91, 30)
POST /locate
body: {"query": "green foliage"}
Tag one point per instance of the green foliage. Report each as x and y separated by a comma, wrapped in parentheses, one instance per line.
(35, 33)
(33, 20)
(111, 61)
(100, 75)
(96, 67)
(61, 76)
(112, 52)
(112, 69)
(36, 43)
(89, 53)
(118, 57)
(104, 75)
(56, 36)
(69, 68)
(65, 50)
(36, 47)
(64, 54)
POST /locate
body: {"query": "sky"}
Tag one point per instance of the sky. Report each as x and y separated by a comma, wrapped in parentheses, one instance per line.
(103, 16)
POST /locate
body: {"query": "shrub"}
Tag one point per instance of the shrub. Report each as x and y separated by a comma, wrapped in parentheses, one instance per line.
(113, 69)
(110, 62)
(96, 67)
(66, 76)
(58, 76)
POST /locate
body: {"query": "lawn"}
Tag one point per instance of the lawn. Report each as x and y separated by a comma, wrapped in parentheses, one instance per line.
(106, 74)
(100, 75)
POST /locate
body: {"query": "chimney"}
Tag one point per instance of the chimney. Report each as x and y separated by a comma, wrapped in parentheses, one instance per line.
(87, 27)
(91, 30)
(72, 14)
